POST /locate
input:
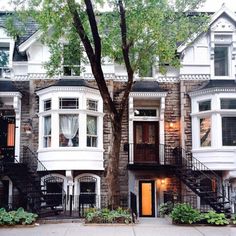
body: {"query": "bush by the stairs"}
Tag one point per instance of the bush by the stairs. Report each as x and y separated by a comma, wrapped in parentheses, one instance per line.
(184, 214)
(105, 215)
(214, 218)
(18, 217)
(166, 208)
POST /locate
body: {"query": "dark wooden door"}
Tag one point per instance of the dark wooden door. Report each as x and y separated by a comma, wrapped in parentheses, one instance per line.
(7, 138)
(146, 142)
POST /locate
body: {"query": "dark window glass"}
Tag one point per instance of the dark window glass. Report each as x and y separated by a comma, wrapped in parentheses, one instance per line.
(87, 187)
(4, 56)
(228, 103)
(145, 112)
(47, 105)
(229, 131)
(205, 106)
(221, 61)
(92, 105)
(69, 103)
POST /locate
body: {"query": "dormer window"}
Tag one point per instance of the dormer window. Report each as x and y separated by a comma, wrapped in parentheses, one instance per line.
(221, 61)
(4, 55)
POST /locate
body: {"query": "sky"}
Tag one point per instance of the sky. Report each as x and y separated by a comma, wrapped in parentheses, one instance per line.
(210, 5)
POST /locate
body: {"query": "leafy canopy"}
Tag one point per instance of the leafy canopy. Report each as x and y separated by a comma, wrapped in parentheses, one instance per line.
(154, 27)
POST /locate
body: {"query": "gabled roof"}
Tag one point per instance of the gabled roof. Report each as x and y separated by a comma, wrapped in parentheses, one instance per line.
(30, 27)
(214, 17)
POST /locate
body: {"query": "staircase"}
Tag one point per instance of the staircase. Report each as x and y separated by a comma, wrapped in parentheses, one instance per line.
(191, 172)
(26, 177)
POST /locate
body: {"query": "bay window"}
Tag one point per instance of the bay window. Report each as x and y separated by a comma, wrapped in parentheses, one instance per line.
(69, 127)
(229, 131)
(91, 131)
(47, 132)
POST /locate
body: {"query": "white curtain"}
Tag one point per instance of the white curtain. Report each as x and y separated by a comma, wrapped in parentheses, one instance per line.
(47, 125)
(69, 127)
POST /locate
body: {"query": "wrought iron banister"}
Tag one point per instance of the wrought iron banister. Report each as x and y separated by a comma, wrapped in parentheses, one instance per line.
(32, 161)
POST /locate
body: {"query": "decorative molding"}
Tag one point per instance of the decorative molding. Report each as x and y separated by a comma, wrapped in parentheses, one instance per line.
(211, 90)
(148, 94)
(195, 77)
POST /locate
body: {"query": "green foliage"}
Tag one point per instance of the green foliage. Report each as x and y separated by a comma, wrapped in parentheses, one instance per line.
(16, 217)
(233, 218)
(108, 216)
(153, 30)
(215, 218)
(185, 214)
(166, 208)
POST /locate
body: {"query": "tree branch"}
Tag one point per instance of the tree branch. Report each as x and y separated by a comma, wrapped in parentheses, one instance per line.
(125, 51)
(94, 29)
(95, 64)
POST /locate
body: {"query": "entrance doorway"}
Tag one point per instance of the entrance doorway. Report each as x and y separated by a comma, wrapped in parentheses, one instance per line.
(146, 143)
(146, 199)
(7, 137)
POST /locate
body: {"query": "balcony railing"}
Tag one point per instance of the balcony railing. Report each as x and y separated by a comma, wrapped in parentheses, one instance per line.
(152, 154)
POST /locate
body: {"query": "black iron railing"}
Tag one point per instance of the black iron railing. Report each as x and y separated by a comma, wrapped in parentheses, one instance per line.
(159, 154)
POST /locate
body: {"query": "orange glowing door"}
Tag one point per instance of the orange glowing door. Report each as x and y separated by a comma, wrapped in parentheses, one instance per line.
(147, 198)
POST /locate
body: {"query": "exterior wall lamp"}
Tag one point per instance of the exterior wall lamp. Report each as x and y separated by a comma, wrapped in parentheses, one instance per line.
(163, 181)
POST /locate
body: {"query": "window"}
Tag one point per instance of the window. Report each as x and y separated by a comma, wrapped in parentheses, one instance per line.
(69, 131)
(47, 105)
(47, 132)
(221, 61)
(69, 103)
(205, 105)
(205, 132)
(91, 131)
(4, 55)
(145, 112)
(229, 131)
(92, 105)
(226, 103)
(71, 64)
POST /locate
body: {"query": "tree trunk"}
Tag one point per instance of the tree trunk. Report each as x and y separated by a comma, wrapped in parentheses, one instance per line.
(112, 175)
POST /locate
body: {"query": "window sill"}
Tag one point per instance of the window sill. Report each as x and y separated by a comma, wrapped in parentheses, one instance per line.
(73, 149)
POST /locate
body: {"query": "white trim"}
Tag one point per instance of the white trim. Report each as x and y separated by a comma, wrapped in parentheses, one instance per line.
(97, 187)
(148, 94)
(28, 42)
(43, 178)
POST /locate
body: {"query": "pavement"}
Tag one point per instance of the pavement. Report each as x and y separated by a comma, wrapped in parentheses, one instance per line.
(145, 227)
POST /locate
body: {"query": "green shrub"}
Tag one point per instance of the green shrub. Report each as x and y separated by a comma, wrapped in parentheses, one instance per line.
(185, 214)
(108, 216)
(215, 218)
(16, 217)
(166, 208)
(233, 218)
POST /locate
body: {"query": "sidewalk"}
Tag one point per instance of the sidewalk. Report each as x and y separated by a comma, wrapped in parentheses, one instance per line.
(146, 227)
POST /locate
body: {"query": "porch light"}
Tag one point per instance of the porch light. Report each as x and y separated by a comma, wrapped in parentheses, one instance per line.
(171, 125)
(163, 181)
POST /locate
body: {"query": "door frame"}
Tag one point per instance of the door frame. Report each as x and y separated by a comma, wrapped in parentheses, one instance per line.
(153, 197)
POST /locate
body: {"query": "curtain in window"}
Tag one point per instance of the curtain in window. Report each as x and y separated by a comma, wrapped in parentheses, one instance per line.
(69, 127)
(10, 135)
(47, 125)
(91, 125)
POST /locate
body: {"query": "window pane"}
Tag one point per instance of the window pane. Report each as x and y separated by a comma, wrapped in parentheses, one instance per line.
(69, 131)
(145, 112)
(229, 131)
(205, 132)
(47, 132)
(228, 103)
(205, 106)
(221, 61)
(4, 56)
(139, 134)
(92, 105)
(69, 103)
(47, 105)
(91, 131)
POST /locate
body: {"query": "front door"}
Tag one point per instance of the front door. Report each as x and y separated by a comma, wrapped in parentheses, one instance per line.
(7, 138)
(146, 147)
(146, 199)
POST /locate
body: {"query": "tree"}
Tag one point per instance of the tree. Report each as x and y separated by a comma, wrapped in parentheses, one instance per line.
(135, 33)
